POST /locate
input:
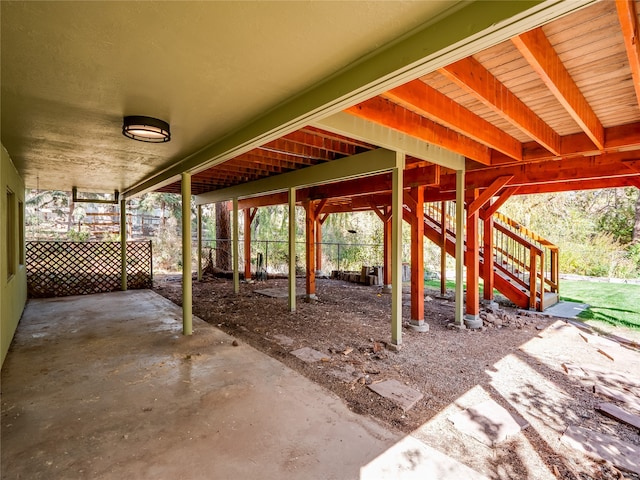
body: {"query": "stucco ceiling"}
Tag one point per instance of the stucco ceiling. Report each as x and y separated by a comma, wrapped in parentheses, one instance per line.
(72, 70)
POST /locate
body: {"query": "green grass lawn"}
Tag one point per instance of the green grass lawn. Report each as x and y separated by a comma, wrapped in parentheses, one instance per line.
(616, 304)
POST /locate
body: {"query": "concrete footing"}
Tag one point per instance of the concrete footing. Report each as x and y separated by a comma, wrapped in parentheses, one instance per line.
(472, 321)
(418, 326)
(489, 304)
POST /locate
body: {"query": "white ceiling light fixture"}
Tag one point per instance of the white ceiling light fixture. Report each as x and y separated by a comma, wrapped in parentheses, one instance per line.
(146, 129)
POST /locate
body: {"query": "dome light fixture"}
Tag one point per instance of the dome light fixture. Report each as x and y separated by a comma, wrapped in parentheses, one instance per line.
(146, 129)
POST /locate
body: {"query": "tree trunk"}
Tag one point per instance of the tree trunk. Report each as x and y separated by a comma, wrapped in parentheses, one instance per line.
(72, 207)
(223, 236)
(636, 225)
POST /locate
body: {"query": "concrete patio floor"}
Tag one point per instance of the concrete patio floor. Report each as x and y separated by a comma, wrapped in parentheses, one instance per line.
(105, 386)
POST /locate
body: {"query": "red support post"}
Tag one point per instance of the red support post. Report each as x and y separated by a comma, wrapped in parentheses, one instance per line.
(417, 256)
(472, 262)
(248, 217)
(310, 239)
(318, 245)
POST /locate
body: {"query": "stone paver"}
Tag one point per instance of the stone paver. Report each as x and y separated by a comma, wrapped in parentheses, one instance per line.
(309, 355)
(395, 391)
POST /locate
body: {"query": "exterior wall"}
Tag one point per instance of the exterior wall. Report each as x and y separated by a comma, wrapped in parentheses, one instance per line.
(13, 277)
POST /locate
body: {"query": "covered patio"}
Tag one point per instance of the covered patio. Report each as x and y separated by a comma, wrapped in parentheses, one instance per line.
(118, 392)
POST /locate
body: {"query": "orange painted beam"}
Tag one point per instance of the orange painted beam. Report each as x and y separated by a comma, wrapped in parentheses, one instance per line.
(265, 200)
(628, 19)
(552, 171)
(488, 193)
(319, 206)
(634, 182)
(568, 186)
(538, 51)
(623, 137)
(382, 214)
(410, 200)
(472, 77)
(329, 140)
(430, 103)
(417, 255)
(633, 165)
(504, 196)
(384, 112)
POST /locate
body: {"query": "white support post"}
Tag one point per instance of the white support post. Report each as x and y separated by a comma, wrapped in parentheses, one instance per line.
(396, 249)
(187, 288)
(292, 249)
(460, 236)
(236, 240)
(123, 244)
(199, 243)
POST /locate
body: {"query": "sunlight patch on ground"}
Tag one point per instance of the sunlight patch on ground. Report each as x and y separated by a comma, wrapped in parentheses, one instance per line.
(411, 459)
(540, 401)
(523, 460)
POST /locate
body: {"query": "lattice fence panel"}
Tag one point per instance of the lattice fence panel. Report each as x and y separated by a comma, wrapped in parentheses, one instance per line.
(58, 269)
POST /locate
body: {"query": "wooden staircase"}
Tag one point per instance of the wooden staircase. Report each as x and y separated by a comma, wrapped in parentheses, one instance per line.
(525, 265)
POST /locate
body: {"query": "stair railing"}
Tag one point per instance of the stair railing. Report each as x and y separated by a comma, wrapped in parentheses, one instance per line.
(524, 254)
(527, 259)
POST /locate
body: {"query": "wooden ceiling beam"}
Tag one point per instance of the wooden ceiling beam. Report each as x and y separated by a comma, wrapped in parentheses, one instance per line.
(391, 115)
(569, 186)
(429, 102)
(299, 159)
(237, 168)
(316, 141)
(472, 77)
(629, 24)
(623, 137)
(358, 144)
(491, 191)
(265, 200)
(267, 167)
(538, 51)
(275, 160)
(504, 196)
(605, 165)
(305, 151)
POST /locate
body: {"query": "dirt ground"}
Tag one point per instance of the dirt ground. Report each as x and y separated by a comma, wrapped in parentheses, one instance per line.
(516, 359)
